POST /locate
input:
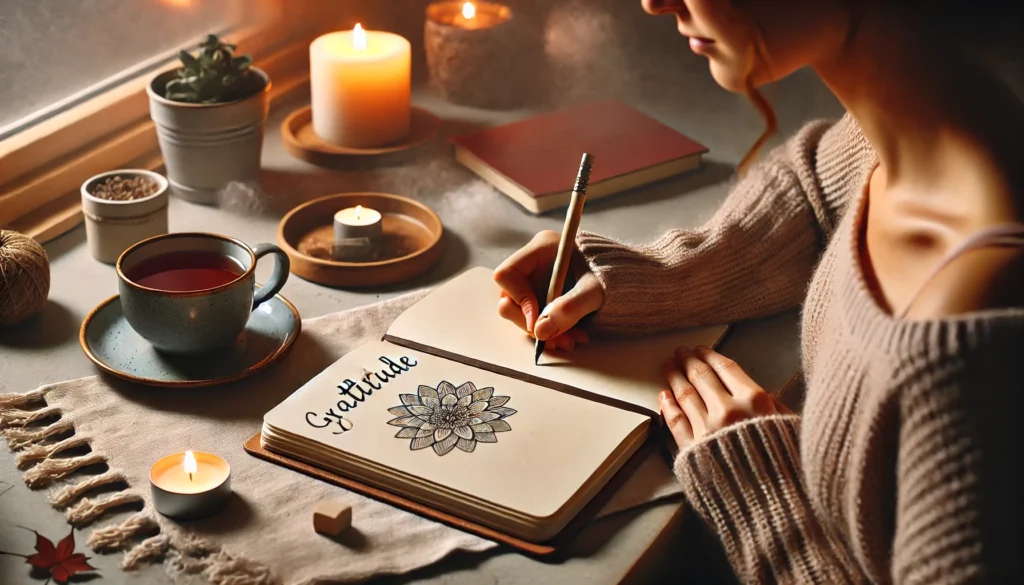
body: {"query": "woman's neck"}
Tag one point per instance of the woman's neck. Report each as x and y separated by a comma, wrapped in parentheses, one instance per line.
(923, 110)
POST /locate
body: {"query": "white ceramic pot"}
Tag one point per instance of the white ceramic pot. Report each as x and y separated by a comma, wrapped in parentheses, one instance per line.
(111, 227)
(207, 146)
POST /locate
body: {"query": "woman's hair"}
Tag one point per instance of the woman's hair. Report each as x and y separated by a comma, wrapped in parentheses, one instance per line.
(758, 55)
(763, 107)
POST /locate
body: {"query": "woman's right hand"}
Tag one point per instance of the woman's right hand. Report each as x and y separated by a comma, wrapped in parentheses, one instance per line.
(524, 277)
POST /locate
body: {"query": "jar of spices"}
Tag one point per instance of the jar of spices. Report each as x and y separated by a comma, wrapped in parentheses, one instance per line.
(121, 208)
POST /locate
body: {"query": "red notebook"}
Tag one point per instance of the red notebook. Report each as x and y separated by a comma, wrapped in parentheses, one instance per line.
(534, 161)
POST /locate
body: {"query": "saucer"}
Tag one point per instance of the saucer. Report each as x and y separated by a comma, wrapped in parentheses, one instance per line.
(410, 244)
(302, 142)
(109, 342)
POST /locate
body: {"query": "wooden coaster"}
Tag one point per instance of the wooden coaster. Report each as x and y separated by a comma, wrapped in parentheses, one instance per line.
(303, 143)
(411, 241)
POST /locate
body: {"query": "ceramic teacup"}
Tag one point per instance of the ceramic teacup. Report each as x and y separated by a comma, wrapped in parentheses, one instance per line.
(194, 292)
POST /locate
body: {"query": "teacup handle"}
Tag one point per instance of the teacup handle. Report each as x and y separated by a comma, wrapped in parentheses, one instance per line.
(277, 279)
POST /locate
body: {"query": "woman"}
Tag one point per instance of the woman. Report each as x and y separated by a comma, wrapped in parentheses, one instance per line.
(901, 229)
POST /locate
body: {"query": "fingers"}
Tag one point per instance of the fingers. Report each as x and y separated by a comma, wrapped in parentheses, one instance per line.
(566, 311)
(508, 309)
(675, 419)
(578, 336)
(732, 376)
(747, 397)
(687, 397)
(514, 274)
(703, 378)
(567, 341)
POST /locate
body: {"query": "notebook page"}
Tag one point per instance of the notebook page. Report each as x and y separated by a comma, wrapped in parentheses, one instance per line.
(531, 450)
(459, 320)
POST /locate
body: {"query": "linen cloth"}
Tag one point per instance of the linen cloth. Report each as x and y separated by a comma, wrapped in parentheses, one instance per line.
(266, 534)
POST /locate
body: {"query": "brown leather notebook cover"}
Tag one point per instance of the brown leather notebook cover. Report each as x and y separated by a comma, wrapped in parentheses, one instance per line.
(541, 154)
(555, 545)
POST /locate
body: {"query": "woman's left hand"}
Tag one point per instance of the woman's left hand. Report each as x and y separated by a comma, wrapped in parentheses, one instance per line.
(709, 392)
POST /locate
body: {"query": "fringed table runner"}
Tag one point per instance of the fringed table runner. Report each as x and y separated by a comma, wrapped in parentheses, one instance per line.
(265, 535)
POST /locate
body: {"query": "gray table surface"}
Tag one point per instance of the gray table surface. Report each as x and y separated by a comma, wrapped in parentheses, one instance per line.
(483, 227)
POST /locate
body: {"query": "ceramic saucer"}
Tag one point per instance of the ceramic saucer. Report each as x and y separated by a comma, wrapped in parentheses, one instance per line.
(109, 342)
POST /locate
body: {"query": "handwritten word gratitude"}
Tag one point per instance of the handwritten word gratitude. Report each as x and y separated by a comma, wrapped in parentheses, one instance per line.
(355, 391)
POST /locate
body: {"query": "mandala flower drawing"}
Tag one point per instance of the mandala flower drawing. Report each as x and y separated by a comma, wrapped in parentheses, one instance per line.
(449, 417)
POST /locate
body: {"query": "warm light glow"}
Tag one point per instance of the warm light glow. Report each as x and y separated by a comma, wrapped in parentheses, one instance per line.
(359, 37)
(468, 10)
(189, 463)
(179, 3)
(359, 212)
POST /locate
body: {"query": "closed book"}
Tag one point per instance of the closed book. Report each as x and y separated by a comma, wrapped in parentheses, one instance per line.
(534, 161)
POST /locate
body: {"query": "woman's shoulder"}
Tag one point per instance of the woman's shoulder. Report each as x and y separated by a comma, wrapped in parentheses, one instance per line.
(968, 349)
(980, 281)
(830, 160)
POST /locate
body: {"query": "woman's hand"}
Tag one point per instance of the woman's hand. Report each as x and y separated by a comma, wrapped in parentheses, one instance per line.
(524, 278)
(709, 393)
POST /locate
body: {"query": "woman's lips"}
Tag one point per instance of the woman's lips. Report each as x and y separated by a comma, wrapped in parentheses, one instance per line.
(700, 45)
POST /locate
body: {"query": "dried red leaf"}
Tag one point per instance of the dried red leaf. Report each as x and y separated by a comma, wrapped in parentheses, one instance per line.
(61, 561)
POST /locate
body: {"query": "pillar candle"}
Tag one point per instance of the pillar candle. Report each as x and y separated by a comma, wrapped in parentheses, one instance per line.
(359, 84)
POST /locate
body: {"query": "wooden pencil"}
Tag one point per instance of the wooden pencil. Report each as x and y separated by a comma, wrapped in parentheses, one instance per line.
(573, 214)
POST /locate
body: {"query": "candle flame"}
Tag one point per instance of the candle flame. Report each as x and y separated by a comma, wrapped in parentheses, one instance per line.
(359, 37)
(468, 10)
(190, 464)
(359, 212)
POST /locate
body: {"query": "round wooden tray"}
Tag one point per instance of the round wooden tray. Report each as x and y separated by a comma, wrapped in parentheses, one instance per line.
(303, 143)
(410, 245)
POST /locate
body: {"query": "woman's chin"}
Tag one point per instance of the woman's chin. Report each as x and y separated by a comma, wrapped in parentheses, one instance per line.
(727, 77)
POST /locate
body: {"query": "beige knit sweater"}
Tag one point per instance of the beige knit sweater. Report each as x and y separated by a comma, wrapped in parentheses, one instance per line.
(903, 465)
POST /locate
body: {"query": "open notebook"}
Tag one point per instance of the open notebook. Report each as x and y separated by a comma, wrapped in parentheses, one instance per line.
(450, 410)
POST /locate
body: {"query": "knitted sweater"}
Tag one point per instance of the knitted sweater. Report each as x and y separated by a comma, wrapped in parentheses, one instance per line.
(901, 467)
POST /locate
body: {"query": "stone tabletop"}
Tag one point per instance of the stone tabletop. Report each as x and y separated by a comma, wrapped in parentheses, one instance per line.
(482, 228)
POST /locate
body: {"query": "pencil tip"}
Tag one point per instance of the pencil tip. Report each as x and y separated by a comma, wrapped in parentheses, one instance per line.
(538, 349)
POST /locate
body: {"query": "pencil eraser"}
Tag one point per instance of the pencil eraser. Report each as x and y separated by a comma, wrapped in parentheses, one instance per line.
(331, 518)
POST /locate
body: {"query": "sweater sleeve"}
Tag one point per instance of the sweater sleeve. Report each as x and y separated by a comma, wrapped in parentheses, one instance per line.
(942, 505)
(746, 482)
(958, 504)
(753, 258)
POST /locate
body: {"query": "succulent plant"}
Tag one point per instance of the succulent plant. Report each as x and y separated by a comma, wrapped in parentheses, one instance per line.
(214, 75)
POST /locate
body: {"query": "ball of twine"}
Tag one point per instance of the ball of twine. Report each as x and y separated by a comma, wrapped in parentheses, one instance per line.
(24, 277)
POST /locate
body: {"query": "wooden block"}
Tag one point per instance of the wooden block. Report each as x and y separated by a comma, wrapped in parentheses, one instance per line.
(331, 518)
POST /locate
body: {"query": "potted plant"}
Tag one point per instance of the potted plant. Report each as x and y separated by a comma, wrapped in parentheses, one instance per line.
(209, 116)
(121, 208)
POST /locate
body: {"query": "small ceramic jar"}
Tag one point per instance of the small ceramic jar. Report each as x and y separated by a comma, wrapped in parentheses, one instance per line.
(112, 226)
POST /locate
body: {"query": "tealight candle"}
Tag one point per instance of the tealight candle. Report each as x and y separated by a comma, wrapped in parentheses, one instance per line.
(357, 233)
(190, 485)
(360, 87)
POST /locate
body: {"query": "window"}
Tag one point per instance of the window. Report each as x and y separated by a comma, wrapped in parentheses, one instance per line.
(72, 86)
(55, 53)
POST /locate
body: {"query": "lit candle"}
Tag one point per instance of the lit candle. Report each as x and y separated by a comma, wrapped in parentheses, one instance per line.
(190, 485)
(467, 49)
(469, 15)
(359, 84)
(357, 233)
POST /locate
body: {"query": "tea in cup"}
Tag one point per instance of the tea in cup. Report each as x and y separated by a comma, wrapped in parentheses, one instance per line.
(194, 292)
